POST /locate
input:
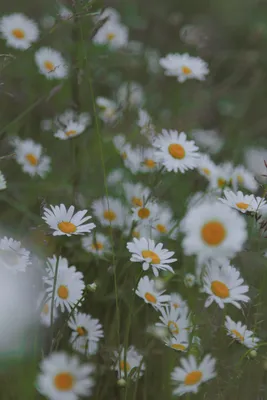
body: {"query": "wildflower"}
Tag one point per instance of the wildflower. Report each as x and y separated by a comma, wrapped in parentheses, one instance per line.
(240, 333)
(151, 255)
(71, 124)
(243, 202)
(62, 376)
(2, 181)
(208, 140)
(147, 291)
(115, 177)
(51, 64)
(179, 342)
(98, 244)
(113, 34)
(255, 160)
(130, 94)
(146, 213)
(221, 176)
(13, 257)
(175, 319)
(206, 167)
(136, 194)
(177, 302)
(148, 160)
(213, 230)
(109, 111)
(66, 222)
(175, 152)
(165, 224)
(92, 286)
(65, 13)
(19, 31)
(184, 67)
(224, 285)
(244, 178)
(189, 280)
(30, 156)
(132, 360)
(45, 313)
(109, 13)
(192, 374)
(109, 211)
(145, 124)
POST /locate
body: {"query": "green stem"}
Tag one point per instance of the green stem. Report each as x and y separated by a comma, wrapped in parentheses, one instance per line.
(53, 301)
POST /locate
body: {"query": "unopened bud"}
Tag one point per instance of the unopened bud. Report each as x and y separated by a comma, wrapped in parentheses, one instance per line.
(189, 280)
(159, 284)
(92, 287)
(253, 354)
(121, 382)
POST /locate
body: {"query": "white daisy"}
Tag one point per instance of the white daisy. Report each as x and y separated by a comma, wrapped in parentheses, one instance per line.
(115, 177)
(51, 64)
(243, 202)
(19, 31)
(244, 178)
(148, 160)
(130, 95)
(184, 67)
(30, 156)
(255, 158)
(224, 285)
(145, 124)
(47, 21)
(45, 312)
(136, 194)
(175, 319)
(98, 244)
(112, 33)
(54, 263)
(66, 222)
(221, 176)
(62, 377)
(2, 181)
(147, 291)
(178, 342)
(213, 230)
(71, 124)
(68, 287)
(175, 152)
(87, 332)
(189, 280)
(109, 13)
(165, 223)
(64, 13)
(110, 211)
(206, 166)
(177, 301)
(192, 374)
(127, 362)
(151, 255)
(12, 256)
(146, 214)
(240, 333)
(209, 141)
(109, 110)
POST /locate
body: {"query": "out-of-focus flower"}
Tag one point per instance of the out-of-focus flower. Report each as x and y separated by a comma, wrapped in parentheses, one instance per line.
(243, 202)
(19, 31)
(109, 111)
(184, 67)
(240, 333)
(244, 178)
(110, 211)
(126, 363)
(147, 291)
(97, 245)
(189, 280)
(130, 94)
(51, 64)
(2, 181)
(112, 33)
(13, 257)
(208, 140)
(71, 124)
(255, 160)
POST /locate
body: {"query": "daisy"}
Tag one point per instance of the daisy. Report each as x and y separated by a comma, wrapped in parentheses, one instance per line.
(242, 177)
(221, 176)
(45, 312)
(147, 291)
(68, 287)
(127, 362)
(151, 255)
(30, 156)
(165, 224)
(240, 333)
(178, 342)
(12, 256)
(115, 177)
(213, 230)
(133, 161)
(184, 67)
(62, 377)
(175, 152)
(51, 64)
(109, 111)
(19, 31)
(175, 319)
(109, 13)
(72, 125)
(148, 160)
(224, 285)
(192, 374)
(86, 334)
(54, 263)
(146, 213)
(206, 166)
(130, 94)
(98, 244)
(110, 211)
(209, 141)
(189, 280)
(176, 301)
(64, 13)
(136, 194)
(255, 160)
(243, 202)
(66, 222)
(113, 34)
(2, 181)
(145, 124)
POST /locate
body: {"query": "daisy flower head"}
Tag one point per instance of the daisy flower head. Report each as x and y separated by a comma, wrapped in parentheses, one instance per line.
(13, 257)
(72, 125)
(113, 34)
(244, 178)
(221, 176)
(2, 181)
(213, 231)
(63, 377)
(206, 166)
(148, 160)
(64, 13)
(45, 312)
(136, 194)
(19, 31)
(239, 332)
(108, 110)
(109, 13)
(244, 203)
(189, 280)
(130, 94)
(146, 214)
(54, 263)
(208, 140)
(126, 363)
(177, 302)
(147, 291)
(97, 245)
(179, 342)
(165, 224)
(151, 255)
(145, 124)
(184, 67)
(51, 64)
(192, 374)
(66, 222)
(29, 155)
(115, 177)
(175, 152)
(224, 285)
(255, 158)
(110, 211)
(174, 319)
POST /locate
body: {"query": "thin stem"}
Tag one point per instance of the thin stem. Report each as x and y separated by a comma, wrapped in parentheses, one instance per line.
(53, 300)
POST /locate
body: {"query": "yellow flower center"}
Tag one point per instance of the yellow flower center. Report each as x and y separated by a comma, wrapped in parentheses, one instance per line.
(64, 381)
(193, 378)
(150, 254)
(109, 215)
(206, 171)
(18, 33)
(49, 66)
(143, 213)
(32, 159)
(221, 182)
(136, 234)
(241, 205)
(237, 335)
(220, 289)
(124, 155)
(81, 331)
(213, 233)
(173, 327)
(161, 228)
(97, 246)
(149, 163)
(63, 292)
(110, 36)
(176, 151)
(45, 309)
(150, 298)
(71, 132)
(122, 366)
(176, 305)
(136, 201)
(177, 346)
(186, 70)
(67, 227)
(240, 179)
